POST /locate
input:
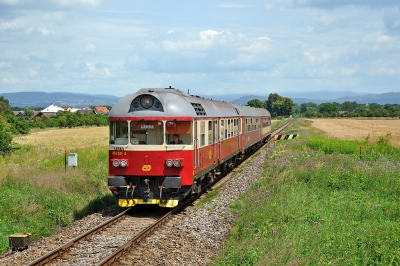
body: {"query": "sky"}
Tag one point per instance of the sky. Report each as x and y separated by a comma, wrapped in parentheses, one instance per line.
(208, 47)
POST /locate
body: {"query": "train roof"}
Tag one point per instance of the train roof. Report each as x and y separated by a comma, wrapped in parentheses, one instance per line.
(170, 102)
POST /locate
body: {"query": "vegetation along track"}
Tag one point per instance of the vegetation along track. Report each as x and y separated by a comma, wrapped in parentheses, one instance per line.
(112, 240)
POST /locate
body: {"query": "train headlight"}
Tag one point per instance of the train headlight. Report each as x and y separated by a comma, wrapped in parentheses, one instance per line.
(177, 162)
(115, 163)
(169, 163)
(146, 101)
(123, 163)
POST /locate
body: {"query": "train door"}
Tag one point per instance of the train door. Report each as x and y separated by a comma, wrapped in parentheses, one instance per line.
(220, 130)
(196, 146)
(215, 140)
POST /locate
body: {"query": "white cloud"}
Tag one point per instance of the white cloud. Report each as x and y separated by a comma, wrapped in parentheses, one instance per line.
(45, 31)
(327, 23)
(32, 73)
(5, 64)
(233, 5)
(90, 48)
(14, 24)
(10, 80)
(385, 38)
(14, 55)
(96, 70)
(269, 7)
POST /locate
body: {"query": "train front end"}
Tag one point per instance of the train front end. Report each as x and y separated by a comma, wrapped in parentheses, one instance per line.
(151, 148)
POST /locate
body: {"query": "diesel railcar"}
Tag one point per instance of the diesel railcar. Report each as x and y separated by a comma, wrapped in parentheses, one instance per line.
(166, 144)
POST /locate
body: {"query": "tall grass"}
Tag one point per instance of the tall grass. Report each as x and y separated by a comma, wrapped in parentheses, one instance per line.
(319, 203)
(38, 195)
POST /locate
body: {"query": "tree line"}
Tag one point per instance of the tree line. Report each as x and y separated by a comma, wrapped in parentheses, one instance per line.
(277, 105)
(11, 125)
(348, 109)
(280, 106)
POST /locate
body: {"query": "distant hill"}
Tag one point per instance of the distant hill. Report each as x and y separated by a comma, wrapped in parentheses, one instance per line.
(44, 99)
(390, 98)
(78, 100)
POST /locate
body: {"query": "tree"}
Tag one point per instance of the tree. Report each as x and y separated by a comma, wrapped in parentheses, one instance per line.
(256, 103)
(273, 97)
(279, 106)
(328, 109)
(5, 108)
(28, 113)
(6, 137)
(303, 108)
(288, 107)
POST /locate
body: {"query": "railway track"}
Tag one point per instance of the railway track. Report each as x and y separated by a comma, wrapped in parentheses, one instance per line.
(97, 243)
(109, 242)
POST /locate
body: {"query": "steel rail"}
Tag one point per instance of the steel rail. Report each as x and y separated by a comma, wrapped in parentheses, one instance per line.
(60, 250)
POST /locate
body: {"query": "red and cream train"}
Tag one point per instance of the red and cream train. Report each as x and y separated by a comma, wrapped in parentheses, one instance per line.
(147, 167)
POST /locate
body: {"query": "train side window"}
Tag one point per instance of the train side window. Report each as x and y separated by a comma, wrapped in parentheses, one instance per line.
(216, 131)
(210, 132)
(183, 129)
(119, 132)
(202, 133)
(222, 129)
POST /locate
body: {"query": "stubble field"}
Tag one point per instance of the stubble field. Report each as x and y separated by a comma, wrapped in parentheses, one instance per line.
(360, 129)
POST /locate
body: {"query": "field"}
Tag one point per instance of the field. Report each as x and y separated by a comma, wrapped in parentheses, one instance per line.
(39, 195)
(318, 202)
(356, 129)
(70, 138)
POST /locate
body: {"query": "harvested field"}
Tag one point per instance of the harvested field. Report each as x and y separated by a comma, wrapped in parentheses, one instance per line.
(70, 138)
(360, 129)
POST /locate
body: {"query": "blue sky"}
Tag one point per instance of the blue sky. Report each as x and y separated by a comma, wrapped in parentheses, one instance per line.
(209, 47)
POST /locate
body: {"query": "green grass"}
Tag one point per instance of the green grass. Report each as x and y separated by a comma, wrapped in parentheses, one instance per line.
(318, 203)
(38, 195)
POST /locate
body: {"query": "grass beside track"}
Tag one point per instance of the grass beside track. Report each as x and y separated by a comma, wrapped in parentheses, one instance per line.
(38, 195)
(319, 203)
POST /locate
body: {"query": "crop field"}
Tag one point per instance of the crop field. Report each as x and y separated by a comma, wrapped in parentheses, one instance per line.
(39, 195)
(70, 138)
(318, 202)
(356, 129)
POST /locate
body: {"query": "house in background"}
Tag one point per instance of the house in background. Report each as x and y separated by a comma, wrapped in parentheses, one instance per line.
(101, 110)
(51, 110)
(86, 110)
(69, 109)
(18, 113)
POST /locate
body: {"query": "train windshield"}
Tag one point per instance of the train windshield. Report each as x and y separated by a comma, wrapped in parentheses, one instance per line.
(178, 132)
(147, 133)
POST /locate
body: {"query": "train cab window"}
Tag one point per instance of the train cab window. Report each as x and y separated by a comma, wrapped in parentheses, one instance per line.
(119, 132)
(181, 129)
(147, 133)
